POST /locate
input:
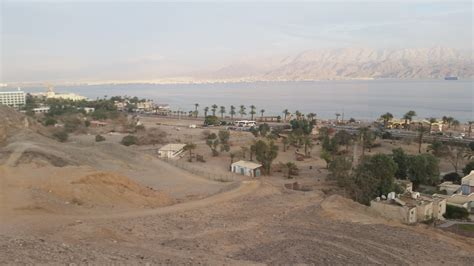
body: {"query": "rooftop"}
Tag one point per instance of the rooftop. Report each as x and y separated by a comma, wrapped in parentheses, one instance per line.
(469, 179)
(247, 164)
(172, 147)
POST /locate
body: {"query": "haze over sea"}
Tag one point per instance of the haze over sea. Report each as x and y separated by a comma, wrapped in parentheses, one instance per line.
(361, 99)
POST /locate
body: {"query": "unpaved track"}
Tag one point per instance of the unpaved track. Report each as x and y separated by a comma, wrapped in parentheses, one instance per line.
(254, 223)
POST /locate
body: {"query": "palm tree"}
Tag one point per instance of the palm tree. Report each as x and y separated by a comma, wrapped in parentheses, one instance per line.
(363, 136)
(232, 112)
(308, 143)
(222, 111)
(214, 108)
(206, 110)
(298, 114)
(286, 113)
(252, 111)
(262, 111)
(232, 156)
(311, 116)
(386, 118)
(448, 120)
(408, 117)
(455, 123)
(337, 117)
(421, 132)
(432, 120)
(196, 105)
(242, 111)
(470, 128)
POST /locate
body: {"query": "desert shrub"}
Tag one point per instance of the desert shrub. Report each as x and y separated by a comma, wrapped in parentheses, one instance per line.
(151, 136)
(87, 123)
(387, 135)
(129, 140)
(205, 134)
(49, 121)
(453, 212)
(99, 138)
(211, 120)
(453, 177)
(61, 136)
(140, 128)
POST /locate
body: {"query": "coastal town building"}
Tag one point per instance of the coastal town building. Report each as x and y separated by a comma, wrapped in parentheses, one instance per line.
(458, 200)
(450, 188)
(171, 150)
(41, 110)
(410, 207)
(95, 123)
(246, 168)
(51, 94)
(13, 99)
(467, 184)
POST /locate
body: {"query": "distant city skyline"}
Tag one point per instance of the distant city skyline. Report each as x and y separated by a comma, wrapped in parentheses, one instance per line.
(53, 41)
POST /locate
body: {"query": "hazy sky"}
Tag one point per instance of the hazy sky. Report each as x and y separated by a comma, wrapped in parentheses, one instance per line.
(43, 41)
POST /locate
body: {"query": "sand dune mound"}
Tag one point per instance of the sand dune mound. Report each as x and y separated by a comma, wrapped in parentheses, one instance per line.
(104, 188)
(344, 209)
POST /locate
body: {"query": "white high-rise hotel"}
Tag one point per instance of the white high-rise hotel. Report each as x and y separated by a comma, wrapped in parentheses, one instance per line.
(13, 98)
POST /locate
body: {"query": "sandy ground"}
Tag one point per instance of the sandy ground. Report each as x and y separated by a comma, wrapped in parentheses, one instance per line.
(103, 203)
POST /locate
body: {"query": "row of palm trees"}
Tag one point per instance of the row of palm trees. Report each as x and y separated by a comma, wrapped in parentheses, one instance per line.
(242, 111)
(408, 117)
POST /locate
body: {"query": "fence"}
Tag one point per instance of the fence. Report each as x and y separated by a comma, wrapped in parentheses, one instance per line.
(215, 176)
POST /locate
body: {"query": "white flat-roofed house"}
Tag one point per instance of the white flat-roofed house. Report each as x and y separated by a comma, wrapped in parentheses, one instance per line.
(13, 99)
(171, 150)
(246, 168)
(467, 184)
(41, 110)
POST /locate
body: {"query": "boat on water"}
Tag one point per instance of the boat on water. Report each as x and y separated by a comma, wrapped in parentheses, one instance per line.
(450, 78)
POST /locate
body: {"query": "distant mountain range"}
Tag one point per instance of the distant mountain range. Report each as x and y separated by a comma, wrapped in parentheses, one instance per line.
(352, 63)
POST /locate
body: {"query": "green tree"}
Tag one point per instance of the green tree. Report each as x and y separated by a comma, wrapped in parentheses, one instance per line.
(265, 153)
(285, 113)
(343, 138)
(421, 132)
(307, 144)
(222, 111)
(206, 110)
(211, 120)
(232, 112)
(432, 120)
(213, 142)
(374, 176)
(263, 129)
(326, 156)
(340, 170)
(129, 140)
(386, 118)
(196, 105)
(402, 160)
(242, 111)
(290, 169)
(252, 111)
(408, 118)
(224, 136)
(213, 109)
(311, 116)
(423, 169)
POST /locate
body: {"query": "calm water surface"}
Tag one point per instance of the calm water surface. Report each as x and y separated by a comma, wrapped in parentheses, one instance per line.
(358, 99)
